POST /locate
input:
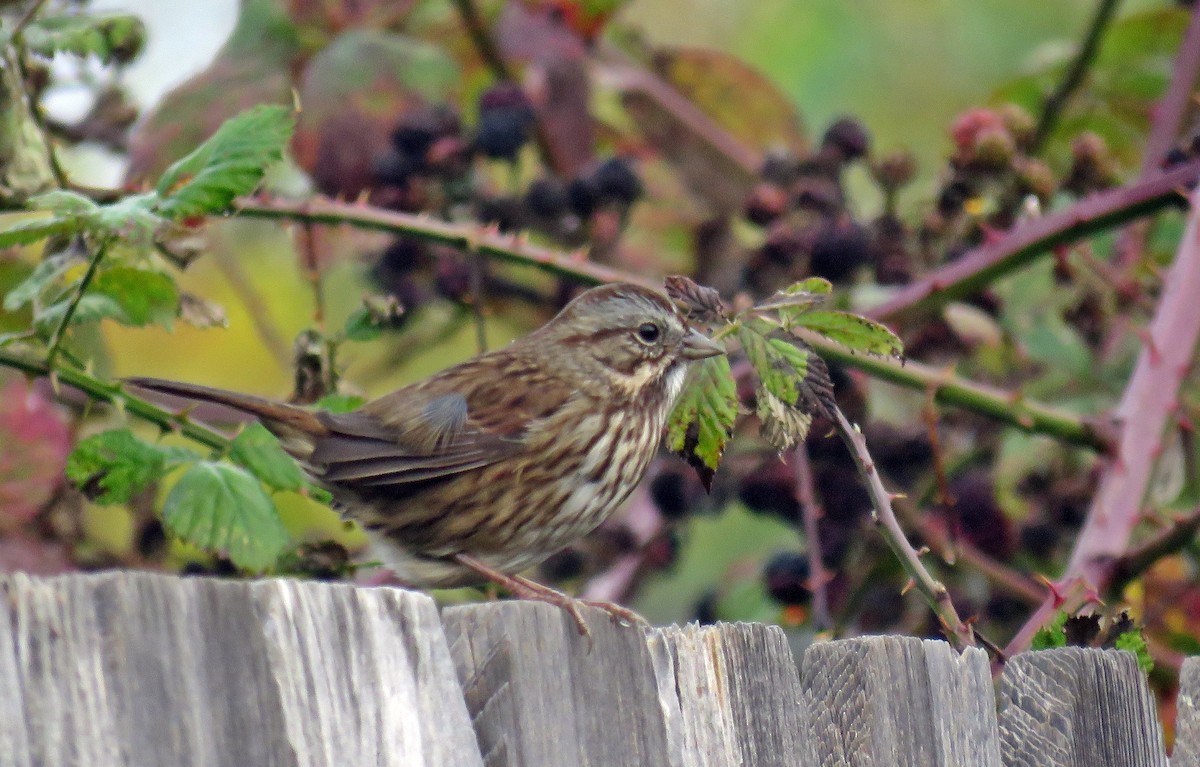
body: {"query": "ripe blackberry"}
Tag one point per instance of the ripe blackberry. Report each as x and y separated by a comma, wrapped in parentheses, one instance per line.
(839, 249)
(617, 181)
(506, 120)
(547, 198)
(786, 578)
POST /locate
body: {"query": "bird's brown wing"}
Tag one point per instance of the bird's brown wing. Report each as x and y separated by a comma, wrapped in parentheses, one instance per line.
(464, 418)
(431, 439)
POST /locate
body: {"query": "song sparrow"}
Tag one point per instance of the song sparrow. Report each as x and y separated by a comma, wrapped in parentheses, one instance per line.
(489, 467)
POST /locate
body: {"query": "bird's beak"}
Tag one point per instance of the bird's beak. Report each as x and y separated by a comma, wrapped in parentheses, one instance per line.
(697, 346)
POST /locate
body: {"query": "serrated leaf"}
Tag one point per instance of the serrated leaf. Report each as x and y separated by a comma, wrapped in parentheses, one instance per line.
(229, 164)
(782, 425)
(259, 451)
(781, 367)
(131, 218)
(1051, 635)
(1134, 642)
(118, 465)
(797, 298)
(702, 302)
(46, 272)
(223, 508)
(703, 418)
(26, 232)
(852, 331)
(134, 297)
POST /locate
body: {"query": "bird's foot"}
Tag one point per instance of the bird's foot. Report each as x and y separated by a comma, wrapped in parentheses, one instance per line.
(524, 588)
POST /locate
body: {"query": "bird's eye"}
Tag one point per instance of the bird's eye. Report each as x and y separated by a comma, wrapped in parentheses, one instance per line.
(648, 332)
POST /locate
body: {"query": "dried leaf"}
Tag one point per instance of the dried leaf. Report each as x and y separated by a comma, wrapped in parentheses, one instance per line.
(701, 303)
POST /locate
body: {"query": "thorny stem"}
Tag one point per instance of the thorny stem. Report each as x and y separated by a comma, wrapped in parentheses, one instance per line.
(958, 632)
(951, 389)
(114, 394)
(1148, 406)
(986, 263)
(1076, 71)
(84, 283)
(487, 242)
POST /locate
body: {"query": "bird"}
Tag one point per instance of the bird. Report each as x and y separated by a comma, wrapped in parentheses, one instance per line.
(487, 468)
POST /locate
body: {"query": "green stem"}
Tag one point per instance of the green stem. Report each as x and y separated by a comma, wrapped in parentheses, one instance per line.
(951, 389)
(112, 393)
(60, 331)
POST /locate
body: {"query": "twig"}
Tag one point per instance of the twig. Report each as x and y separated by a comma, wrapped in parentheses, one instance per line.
(26, 20)
(84, 283)
(934, 592)
(504, 247)
(984, 264)
(1076, 71)
(112, 393)
(478, 32)
(951, 389)
(1137, 561)
(807, 497)
(1148, 406)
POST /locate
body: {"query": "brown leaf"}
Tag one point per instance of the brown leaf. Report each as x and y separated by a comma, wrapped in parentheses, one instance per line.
(702, 303)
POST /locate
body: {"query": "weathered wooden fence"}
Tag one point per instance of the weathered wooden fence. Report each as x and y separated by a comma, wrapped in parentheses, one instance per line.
(138, 669)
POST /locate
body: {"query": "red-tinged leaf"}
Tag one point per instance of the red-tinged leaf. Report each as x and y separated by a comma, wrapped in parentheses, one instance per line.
(34, 441)
(253, 68)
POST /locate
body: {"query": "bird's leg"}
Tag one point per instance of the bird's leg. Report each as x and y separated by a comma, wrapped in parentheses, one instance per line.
(524, 588)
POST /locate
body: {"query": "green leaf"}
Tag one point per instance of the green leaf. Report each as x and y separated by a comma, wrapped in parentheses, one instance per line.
(1133, 641)
(46, 272)
(852, 331)
(1051, 635)
(62, 202)
(229, 164)
(134, 297)
(259, 451)
(27, 231)
(703, 418)
(131, 218)
(114, 466)
(340, 403)
(222, 508)
(362, 325)
(781, 367)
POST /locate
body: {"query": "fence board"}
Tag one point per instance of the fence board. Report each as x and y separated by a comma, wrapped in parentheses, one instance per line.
(540, 695)
(1074, 706)
(1187, 716)
(139, 669)
(739, 695)
(899, 701)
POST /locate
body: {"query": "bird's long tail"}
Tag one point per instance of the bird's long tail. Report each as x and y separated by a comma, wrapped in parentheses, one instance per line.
(280, 417)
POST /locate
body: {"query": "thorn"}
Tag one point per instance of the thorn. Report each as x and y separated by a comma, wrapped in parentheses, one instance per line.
(908, 586)
(922, 551)
(1052, 587)
(897, 496)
